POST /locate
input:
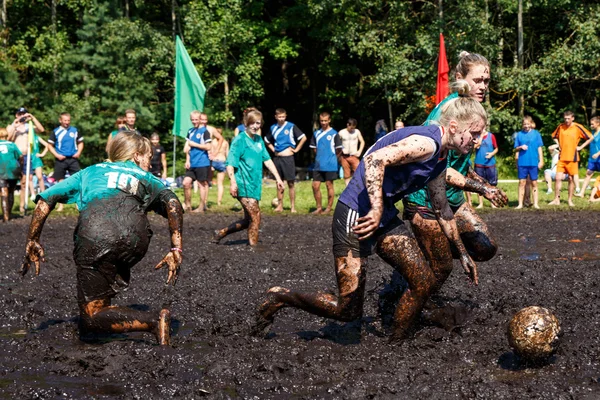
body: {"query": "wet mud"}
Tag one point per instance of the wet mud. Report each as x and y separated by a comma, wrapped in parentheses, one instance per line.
(460, 349)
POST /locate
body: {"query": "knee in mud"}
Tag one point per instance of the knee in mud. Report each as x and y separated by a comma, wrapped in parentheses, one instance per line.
(277, 289)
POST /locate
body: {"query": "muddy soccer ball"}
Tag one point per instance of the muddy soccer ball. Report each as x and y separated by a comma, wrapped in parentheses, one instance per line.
(533, 333)
(275, 202)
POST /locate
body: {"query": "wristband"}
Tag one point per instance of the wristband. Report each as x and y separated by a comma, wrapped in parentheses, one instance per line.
(177, 249)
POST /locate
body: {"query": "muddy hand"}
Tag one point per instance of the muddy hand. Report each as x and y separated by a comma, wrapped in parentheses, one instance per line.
(470, 268)
(496, 196)
(173, 260)
(34, 254)
(367, 225)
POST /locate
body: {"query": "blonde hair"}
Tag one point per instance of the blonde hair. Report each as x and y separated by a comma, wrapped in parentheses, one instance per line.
(596, 119)
(530, 120)
(125, 144)
(252, 116)
(3, 134)
(462, 109)
(467, 61)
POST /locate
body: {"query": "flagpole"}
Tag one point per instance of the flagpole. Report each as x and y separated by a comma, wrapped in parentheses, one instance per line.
(28, 166)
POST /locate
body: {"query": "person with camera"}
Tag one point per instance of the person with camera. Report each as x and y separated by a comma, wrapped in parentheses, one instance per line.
(18, 133)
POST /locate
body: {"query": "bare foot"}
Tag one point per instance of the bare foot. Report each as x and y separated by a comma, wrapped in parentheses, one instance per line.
(327, 210)
(318, 211)
(293, 211)
(580, 194)
(555, 202)
(60, 207)
(187, 207)
(536, 206)
(480, 206)
(278, 209)
(519, 207)
(571, 204)
(198, 210)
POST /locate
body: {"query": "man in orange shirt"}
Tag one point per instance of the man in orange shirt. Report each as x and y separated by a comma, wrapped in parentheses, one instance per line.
(567, 135)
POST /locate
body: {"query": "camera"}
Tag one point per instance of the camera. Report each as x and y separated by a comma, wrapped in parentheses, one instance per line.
(23, 119)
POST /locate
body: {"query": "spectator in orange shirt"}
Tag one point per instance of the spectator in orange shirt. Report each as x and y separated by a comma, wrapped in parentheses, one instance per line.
(567, 135)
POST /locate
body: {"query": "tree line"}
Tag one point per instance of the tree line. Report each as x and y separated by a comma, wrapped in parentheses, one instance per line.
(366, 59)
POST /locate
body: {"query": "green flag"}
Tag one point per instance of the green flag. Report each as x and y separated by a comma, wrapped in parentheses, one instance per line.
(189, 90)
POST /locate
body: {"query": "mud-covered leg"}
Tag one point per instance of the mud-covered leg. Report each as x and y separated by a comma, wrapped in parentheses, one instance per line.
(4, 200)
(99, 316)
(435, 247)
(474, 234)
(252, 212)
(351, 275)
(237, 226)
(402, 252)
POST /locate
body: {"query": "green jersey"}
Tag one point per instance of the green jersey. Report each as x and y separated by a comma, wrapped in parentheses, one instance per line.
(247, 156)
(457, 161)
(10, 167)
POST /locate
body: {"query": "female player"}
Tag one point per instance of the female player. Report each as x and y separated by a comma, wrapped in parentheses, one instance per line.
(247, 153)
(366, 217)
(112, 234)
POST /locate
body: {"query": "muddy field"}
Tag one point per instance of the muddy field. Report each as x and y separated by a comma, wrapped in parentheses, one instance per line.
(549, 259)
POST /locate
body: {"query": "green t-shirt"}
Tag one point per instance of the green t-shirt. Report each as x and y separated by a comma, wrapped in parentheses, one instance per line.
(124, 182)
(36, 162)
(246, 156)
(457, 161)
(10, 167)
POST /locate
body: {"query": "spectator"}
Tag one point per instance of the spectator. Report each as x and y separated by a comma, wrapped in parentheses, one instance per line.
(218, 164)
(353, 145)
(10, 172)
(594, 159)
(550, 174)
(567, 135)
(398, 125)
(381, 129)
(595, 195)
(130, 119)
(284, 140)
(485, 161)
(158, 164)
(328, 147)
(197, 162)
(530, 158)
(119, 125)
(66, 144)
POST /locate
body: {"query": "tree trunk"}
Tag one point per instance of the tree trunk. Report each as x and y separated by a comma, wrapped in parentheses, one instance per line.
(126, 8)
(3, 27)
(389, 103)
(226, 88)
(174, 19)
(55, 66)
(520, 56)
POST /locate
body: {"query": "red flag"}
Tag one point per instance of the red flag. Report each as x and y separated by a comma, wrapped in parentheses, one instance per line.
(442, 78)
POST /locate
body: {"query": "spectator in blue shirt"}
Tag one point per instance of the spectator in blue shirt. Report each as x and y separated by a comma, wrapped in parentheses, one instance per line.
(528, 145)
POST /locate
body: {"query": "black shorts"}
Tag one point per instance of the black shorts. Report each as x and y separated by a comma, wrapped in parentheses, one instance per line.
(62, 166)
(344, 238)
(286, 167)
(11, 184)
(411, 209)
(323, 176)
(199, 174)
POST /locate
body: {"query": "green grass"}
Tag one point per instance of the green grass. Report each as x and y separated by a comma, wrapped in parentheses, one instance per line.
(305, 201)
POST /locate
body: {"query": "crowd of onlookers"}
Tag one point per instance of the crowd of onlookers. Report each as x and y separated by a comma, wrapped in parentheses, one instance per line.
(335, 153)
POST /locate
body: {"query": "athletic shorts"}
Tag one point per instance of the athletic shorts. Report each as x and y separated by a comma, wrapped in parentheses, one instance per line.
(286, 167)
(344, 238)
(349, 164)
(411, 209)
(568, 167)
(35, 163)
(199, 174)
(323, 176)
(553, 175)
(62, 166)
(219, 166)
(11, 184)
(490, 174)
(593, 165)
(522, 172)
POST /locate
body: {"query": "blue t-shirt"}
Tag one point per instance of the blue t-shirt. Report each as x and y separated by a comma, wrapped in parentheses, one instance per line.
(326, 144)
(398, 180)
(283, 137)
(533, 140)
(65, 140)
(487, 146)
(595, 144)
(198, 157)
(241, 128)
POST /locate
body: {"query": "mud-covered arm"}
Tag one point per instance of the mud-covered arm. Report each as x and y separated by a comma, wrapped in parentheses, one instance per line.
(412, 149)
(445, 217)
(34, 252)
(174, 213)
(476, 184)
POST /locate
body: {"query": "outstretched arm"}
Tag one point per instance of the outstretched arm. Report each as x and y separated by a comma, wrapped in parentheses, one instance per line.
(474, 183)
(445, 217)
(175, 216)
(34, 252)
